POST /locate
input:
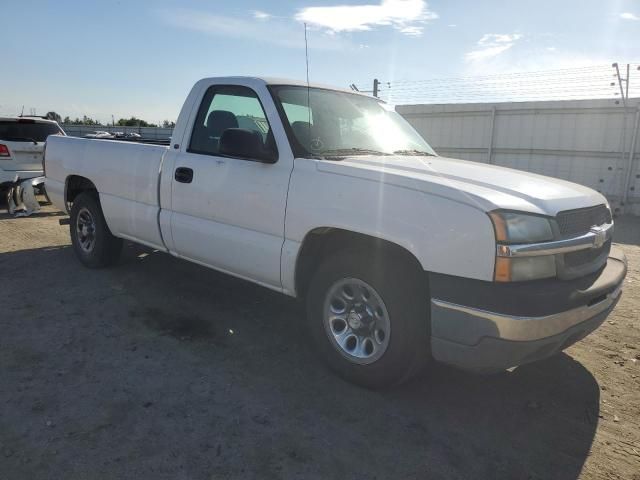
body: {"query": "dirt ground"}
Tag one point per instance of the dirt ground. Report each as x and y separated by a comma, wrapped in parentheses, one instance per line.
(165, 370)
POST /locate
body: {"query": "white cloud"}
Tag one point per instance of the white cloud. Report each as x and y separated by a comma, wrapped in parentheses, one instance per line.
(534, 58)
(495, 54)
(277, 31)
(260, 15)
(406, 16)
(492, 45)
(629, 16)
(452, 25)
(414, 31)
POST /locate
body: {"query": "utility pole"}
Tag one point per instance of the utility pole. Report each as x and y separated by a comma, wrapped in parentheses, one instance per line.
(620, 80)
(627, 82)
(623, 134)
(627, 180)
(376, 84)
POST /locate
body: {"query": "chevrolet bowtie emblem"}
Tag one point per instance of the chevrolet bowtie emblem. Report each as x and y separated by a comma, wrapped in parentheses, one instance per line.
(600, 236)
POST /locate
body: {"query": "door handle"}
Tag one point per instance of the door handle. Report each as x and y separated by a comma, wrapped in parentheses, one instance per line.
(183, 175)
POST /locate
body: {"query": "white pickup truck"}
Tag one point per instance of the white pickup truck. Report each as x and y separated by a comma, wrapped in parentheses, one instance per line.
(403, 256)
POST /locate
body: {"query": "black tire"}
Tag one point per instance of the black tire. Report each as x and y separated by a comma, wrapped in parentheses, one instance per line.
(43, 191)
(105, 249)
(404, 291)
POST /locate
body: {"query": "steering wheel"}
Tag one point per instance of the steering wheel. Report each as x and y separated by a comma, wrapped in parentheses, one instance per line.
(316, 144)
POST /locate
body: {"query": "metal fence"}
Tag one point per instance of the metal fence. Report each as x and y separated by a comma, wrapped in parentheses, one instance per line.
(153, 133)
(591, 142)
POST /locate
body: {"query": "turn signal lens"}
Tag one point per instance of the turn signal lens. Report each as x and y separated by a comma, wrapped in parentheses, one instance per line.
(524, 268)
(500, 226)
(503, 269)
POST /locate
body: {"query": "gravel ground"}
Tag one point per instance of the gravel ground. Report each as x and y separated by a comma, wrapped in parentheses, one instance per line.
(160, 369)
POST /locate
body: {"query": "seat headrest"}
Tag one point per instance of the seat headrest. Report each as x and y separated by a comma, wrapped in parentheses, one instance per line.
(241, 142)
(302, 132)
(220, 120)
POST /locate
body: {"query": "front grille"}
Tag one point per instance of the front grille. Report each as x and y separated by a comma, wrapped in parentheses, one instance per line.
(584, 257)
(573, 223)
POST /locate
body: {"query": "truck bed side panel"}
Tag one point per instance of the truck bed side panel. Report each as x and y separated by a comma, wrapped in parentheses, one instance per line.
(125, 174)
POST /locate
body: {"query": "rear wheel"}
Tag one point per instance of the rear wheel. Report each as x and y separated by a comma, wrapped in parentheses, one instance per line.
(369, 317)
(91, 238)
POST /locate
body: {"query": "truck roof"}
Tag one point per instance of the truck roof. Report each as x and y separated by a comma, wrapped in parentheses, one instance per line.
(282, 81)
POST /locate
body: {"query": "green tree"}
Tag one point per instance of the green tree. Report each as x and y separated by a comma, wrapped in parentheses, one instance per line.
(89, 121)
(134, 122)
(82, 121)
(53, 116)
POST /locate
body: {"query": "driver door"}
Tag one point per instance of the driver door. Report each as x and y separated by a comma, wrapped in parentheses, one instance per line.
(228, 213)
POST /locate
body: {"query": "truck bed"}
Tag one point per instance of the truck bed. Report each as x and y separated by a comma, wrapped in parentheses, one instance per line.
(131, 205)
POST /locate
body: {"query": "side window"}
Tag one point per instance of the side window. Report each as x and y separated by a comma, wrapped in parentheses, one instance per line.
(230, 107)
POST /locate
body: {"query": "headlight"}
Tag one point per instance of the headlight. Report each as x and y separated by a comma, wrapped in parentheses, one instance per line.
(510, 228)
(514, 227)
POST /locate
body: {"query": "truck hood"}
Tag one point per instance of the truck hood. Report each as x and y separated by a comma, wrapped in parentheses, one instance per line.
(487, 187)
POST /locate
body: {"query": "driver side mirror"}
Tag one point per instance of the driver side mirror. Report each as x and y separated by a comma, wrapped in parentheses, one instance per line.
(246, 144)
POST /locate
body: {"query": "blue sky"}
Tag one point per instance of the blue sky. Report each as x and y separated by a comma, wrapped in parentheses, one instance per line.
(141, 57)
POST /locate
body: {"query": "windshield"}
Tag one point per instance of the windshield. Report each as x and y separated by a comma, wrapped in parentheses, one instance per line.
(27, 131)
(341, 123)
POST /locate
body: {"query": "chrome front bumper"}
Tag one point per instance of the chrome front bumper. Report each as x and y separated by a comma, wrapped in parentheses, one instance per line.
(519, 328)
(481, 340)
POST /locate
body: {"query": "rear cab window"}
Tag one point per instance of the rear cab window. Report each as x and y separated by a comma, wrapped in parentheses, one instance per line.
(27, 131)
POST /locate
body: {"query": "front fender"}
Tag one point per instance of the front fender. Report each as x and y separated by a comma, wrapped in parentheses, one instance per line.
(445, 236)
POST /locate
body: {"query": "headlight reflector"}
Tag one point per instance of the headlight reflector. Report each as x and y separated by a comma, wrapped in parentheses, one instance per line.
(512, 227)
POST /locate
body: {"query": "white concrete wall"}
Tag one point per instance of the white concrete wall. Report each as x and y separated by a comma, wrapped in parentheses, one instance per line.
(578, 140)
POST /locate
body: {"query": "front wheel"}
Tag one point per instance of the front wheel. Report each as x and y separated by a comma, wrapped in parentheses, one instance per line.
(91, 238)
(369, 318)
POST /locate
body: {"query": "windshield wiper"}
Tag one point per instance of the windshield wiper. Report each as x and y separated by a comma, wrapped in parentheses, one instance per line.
(20, 139)
(338, 152)
(414, 152)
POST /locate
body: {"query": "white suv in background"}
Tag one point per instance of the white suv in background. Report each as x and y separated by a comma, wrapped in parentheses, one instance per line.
(22, 142)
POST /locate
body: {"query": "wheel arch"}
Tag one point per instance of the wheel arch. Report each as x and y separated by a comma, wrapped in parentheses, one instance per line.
(74, 185)
(320, 242)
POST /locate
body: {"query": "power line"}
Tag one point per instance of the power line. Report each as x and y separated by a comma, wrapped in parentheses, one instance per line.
(605, 69)
(598, 81)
